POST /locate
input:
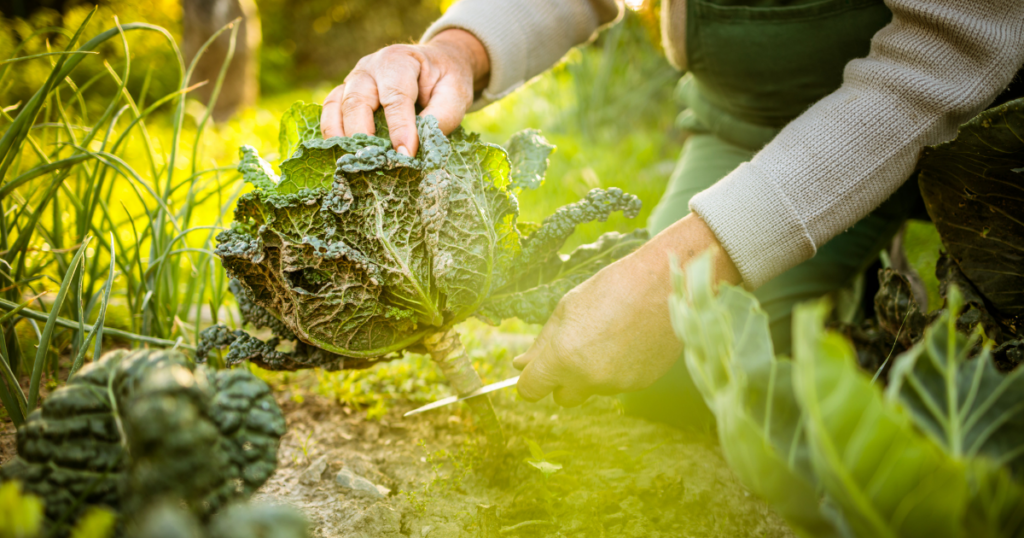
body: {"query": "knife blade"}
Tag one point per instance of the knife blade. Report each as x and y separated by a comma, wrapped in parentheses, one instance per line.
(454, 399)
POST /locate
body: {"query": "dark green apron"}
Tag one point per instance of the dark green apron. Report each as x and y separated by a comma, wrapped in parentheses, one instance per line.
(755, 65)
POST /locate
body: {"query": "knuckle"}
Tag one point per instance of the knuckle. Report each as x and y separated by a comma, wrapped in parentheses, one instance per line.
(397, 49)
(400, 57)
(359, 71)
(336, 94)
(393, 96)
(355, 99)
(401, 52)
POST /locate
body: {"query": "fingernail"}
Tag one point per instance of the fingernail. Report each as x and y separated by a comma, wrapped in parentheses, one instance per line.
(403, 150)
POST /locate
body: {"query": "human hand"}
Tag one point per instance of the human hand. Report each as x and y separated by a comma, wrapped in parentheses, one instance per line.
(613, 333)
(440, 75)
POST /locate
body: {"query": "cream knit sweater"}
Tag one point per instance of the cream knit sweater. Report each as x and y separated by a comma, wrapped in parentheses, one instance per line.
(937, 64)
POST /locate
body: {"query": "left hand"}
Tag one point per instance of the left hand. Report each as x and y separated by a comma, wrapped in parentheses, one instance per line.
(613, 333)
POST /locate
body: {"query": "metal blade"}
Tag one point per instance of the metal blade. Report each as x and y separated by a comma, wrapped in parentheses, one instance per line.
(452, 399)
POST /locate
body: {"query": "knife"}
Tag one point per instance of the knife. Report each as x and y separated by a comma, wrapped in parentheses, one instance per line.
(453, 399)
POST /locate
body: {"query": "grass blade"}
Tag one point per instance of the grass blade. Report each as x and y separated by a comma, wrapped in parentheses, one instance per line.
(9, 390)
(97, 329)
(69, 324)
(51, 321)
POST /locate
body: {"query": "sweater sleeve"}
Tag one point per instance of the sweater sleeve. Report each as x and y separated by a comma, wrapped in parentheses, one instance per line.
(524, 38)
(936, 65)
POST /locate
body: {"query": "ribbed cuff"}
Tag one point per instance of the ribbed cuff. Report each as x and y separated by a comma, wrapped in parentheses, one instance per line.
(755, 223)
(496, 25)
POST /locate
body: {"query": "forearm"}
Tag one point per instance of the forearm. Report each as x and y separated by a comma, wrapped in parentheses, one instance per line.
(935, 66)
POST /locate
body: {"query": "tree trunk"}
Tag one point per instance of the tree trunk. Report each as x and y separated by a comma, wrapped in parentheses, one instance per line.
(203, 18)
(446, 350)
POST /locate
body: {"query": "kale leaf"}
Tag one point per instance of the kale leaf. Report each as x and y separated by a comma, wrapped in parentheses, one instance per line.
(142, 427)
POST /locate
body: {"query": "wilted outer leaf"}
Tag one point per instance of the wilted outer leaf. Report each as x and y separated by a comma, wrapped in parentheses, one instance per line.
(888, 480)
(973, 188)
(729, 355)
(967, 406)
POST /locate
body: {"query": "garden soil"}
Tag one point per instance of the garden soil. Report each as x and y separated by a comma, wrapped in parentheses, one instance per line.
(620, 476)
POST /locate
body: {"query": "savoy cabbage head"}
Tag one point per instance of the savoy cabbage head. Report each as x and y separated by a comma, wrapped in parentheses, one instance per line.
(363, 252)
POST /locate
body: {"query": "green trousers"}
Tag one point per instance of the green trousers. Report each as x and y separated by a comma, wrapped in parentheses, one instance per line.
(704, 160)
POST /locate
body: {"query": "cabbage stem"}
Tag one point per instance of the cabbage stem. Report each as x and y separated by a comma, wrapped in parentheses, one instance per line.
(446, 350)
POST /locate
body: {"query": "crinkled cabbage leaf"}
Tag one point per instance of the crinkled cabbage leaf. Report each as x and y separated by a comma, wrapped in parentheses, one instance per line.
(362, 251)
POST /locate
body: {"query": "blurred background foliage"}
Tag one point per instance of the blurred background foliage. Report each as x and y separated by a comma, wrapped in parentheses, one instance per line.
(607, 107)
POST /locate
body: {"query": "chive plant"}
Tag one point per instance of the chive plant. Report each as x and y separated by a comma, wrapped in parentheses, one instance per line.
(115, 232)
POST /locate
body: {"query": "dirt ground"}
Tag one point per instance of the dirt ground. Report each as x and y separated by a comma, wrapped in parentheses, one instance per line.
(620, 476)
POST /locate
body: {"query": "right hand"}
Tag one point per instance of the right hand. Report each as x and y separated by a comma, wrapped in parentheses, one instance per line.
(441, 75)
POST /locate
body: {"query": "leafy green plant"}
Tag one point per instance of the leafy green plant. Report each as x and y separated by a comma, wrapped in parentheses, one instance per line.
(362, 253)
(832, 452)
(541, 460)
(971, 187)
(135, 428)
(541, 491)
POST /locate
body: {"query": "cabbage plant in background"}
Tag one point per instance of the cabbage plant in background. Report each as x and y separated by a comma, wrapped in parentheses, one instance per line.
(359, 253)
(915, 427)
(937, 453)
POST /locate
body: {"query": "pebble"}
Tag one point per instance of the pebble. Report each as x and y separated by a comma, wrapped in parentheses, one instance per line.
(315, 470)
(350, 480)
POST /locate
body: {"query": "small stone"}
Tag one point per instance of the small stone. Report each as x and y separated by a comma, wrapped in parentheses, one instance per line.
(315, 470)
(357, 484)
